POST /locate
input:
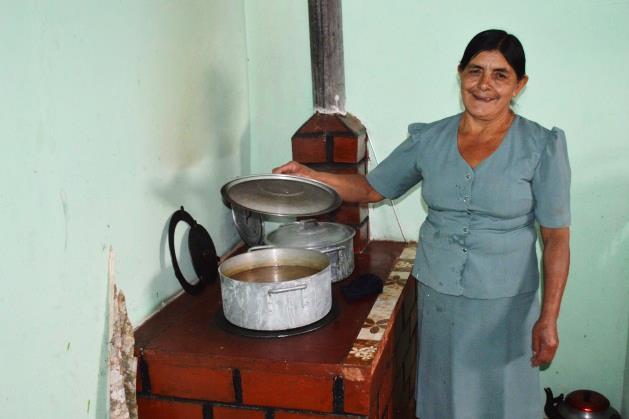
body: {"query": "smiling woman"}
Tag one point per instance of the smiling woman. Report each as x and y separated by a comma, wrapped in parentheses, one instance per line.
(488, 84)
(489, 176)
(490, 80)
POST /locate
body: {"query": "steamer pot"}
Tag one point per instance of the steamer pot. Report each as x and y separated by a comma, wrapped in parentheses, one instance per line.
(333, 239)
(276, 288)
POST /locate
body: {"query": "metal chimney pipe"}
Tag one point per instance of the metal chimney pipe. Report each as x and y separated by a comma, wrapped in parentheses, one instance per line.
(326, 55)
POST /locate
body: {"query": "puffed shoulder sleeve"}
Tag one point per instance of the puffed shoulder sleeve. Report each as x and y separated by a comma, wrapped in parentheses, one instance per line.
(400, 171)
(551, 183)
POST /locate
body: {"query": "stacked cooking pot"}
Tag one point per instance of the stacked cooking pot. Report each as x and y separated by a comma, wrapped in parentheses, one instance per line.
(287, 282)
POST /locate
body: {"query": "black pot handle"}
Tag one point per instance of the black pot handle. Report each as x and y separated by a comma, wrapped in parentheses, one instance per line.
(202, 252)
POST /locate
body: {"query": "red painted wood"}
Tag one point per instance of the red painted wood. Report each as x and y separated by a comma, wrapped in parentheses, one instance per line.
(348, 213)
(346, 132)
(197, 382)
(234, 412)
(304, 415)
(361, 239)
(296, 391)
(351, 213)
(346, 169)
(385, 393)
(349, 149)
(149, 408)
(358, 393)
(309, 150)
(164, 319)
(320, 122)
(314, 149)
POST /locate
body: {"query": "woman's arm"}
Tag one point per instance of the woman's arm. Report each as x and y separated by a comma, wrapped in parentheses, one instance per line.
(556, 263)
(351, 188)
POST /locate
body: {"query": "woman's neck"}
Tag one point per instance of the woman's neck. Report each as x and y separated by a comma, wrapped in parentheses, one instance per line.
(471, 125)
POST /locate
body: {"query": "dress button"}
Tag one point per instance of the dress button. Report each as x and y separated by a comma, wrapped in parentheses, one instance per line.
(464, 250)
(465, 230)
(468, 176)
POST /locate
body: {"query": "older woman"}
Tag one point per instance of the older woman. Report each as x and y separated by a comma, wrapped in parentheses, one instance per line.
(488, 177)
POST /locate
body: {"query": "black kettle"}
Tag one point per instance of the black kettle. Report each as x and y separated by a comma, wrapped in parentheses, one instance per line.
(579, 404)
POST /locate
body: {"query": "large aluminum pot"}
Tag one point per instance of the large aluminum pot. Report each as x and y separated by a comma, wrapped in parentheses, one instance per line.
(276, 288)
(333, 239)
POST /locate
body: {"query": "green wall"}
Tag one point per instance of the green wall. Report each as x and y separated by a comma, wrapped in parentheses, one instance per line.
(400, 66)
(113, 114)
(625, 393)
(280, 97)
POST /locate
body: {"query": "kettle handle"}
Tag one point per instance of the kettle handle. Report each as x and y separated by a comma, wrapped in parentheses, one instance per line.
(550, 408)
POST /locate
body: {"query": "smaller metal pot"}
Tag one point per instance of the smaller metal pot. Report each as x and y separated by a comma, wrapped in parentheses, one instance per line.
(333, 239)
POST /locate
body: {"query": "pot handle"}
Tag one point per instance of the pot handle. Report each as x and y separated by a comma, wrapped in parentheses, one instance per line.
(308, 222)
(288, 289)
(332, 249)
(254, 248)
(335, 260)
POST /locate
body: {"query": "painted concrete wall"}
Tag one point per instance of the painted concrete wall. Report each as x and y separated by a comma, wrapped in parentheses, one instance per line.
(400, 63)
(113, 114)
(625, 393)
(279, 72)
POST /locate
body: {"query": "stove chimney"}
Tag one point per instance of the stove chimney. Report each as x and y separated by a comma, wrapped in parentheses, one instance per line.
(326, 55)
(332, 139)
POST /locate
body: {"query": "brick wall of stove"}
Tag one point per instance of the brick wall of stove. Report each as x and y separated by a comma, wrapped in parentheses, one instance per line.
(337, 144)
(213, 393)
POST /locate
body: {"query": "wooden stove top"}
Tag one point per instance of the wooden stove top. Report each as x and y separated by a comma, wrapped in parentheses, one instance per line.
(186, 332)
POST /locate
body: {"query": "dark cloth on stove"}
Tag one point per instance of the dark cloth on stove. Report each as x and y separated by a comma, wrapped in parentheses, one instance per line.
(363, 286)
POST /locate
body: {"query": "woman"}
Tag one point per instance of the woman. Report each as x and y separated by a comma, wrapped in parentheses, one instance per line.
(488, 177)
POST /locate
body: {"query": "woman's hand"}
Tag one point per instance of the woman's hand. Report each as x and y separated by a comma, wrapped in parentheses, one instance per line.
(545, 342)
(350, 187)
(294, 168)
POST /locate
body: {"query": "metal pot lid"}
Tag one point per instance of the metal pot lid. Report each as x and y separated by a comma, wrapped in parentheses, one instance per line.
(281, 195)
(309, 234)
(202, 252)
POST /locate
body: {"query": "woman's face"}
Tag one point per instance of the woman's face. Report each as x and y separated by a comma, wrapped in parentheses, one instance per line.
(488, 83)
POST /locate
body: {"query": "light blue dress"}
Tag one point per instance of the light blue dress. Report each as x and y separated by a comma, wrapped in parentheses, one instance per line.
(477, 263)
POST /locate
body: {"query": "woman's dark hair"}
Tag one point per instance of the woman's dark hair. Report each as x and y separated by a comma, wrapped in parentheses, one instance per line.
(496, 39)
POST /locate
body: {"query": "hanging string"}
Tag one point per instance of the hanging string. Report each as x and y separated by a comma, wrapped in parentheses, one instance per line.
(393, 206)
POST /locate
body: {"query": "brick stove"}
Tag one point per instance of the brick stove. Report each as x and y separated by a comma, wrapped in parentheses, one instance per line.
(361, 365)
